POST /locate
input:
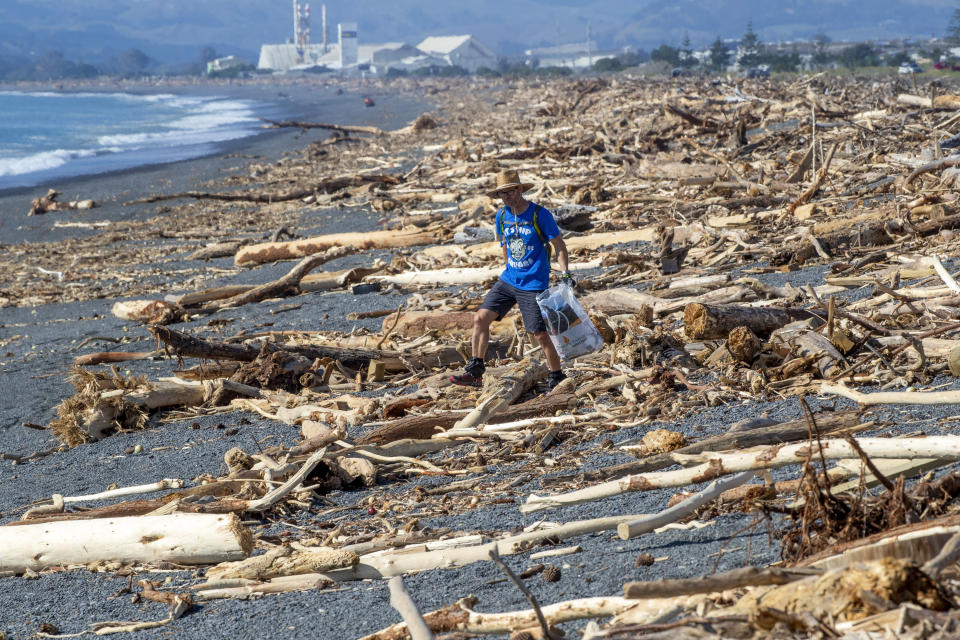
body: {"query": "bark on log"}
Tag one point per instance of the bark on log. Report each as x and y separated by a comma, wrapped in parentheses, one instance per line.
(270, 251)
(289, 284)
(778, 433)
(504, 391)
(180, 538)
(734, 579)
(426, 426)
(701, 321)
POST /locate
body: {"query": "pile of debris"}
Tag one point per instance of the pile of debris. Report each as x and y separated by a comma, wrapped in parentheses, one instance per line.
(696, 214)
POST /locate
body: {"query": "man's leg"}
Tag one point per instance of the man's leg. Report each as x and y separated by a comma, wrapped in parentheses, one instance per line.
(482, 320)
(549, 351)
(497, 302)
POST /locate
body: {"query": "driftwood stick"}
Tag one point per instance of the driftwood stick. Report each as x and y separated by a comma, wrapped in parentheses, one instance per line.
(943, 163)
(893, 397)
(745, 577)
(682, 509)
(57, 501)
(615, 381)
(941, 270)
(401, 601)
(288, 284)
(278, 494)
(544, 627)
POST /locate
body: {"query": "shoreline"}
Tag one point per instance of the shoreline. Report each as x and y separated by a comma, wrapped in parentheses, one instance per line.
(307, 101)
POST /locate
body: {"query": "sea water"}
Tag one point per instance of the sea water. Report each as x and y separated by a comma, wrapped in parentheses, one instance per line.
(48, 135)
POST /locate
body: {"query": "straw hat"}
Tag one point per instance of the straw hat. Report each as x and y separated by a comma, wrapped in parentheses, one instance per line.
(507, 179)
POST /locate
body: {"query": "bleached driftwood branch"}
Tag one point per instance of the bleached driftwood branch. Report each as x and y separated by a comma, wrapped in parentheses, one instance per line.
(714, 465)
(893, 397)
(682, 509)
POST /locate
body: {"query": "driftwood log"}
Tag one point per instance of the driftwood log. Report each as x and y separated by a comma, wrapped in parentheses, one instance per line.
(184, 344)
(358, 241)
(706, 322)
(329, 185)
(504, 390)
(180, 537)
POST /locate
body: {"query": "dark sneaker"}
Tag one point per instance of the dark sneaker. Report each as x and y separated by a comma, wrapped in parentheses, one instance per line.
(555, 378)
(467, 380)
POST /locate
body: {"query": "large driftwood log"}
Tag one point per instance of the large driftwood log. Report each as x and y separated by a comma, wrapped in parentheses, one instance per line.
(184, 344)
(426, 426)
(701, 321)
(183, 538)
(505, 389)
(714, 465)
(775, 434)
(270, 251)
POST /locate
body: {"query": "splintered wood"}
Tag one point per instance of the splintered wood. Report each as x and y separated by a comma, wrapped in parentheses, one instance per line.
(727, 260)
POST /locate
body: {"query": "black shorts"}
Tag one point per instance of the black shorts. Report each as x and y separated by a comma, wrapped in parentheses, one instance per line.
(501, 298)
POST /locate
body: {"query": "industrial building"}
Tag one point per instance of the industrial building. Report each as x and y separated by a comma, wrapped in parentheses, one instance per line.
(460, 51)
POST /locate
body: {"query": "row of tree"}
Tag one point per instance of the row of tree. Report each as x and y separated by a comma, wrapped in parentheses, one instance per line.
(753, 53)
(53, 66)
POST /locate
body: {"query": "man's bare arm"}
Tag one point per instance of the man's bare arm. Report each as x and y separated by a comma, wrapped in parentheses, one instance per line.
(560, 248)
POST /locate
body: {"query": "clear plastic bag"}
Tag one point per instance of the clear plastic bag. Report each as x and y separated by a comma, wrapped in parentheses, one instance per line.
(569, 326)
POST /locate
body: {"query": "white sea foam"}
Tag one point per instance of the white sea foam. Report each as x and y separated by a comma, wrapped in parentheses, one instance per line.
(41, 161)
(155, 121)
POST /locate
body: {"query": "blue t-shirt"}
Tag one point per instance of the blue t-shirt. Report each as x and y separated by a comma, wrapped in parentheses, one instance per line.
(528, 267)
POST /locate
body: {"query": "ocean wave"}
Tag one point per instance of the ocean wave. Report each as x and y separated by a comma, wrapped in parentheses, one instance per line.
(41, 161)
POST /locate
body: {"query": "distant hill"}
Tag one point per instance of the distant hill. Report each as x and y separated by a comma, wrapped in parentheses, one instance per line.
(178, 30)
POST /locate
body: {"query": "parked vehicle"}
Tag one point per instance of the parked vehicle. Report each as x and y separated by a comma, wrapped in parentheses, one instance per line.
(909, 67)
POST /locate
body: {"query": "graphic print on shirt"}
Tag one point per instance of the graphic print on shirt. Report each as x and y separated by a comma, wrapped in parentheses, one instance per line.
(518, 248)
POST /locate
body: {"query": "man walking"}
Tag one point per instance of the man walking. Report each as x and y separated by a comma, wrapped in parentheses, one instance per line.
(526, 232)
